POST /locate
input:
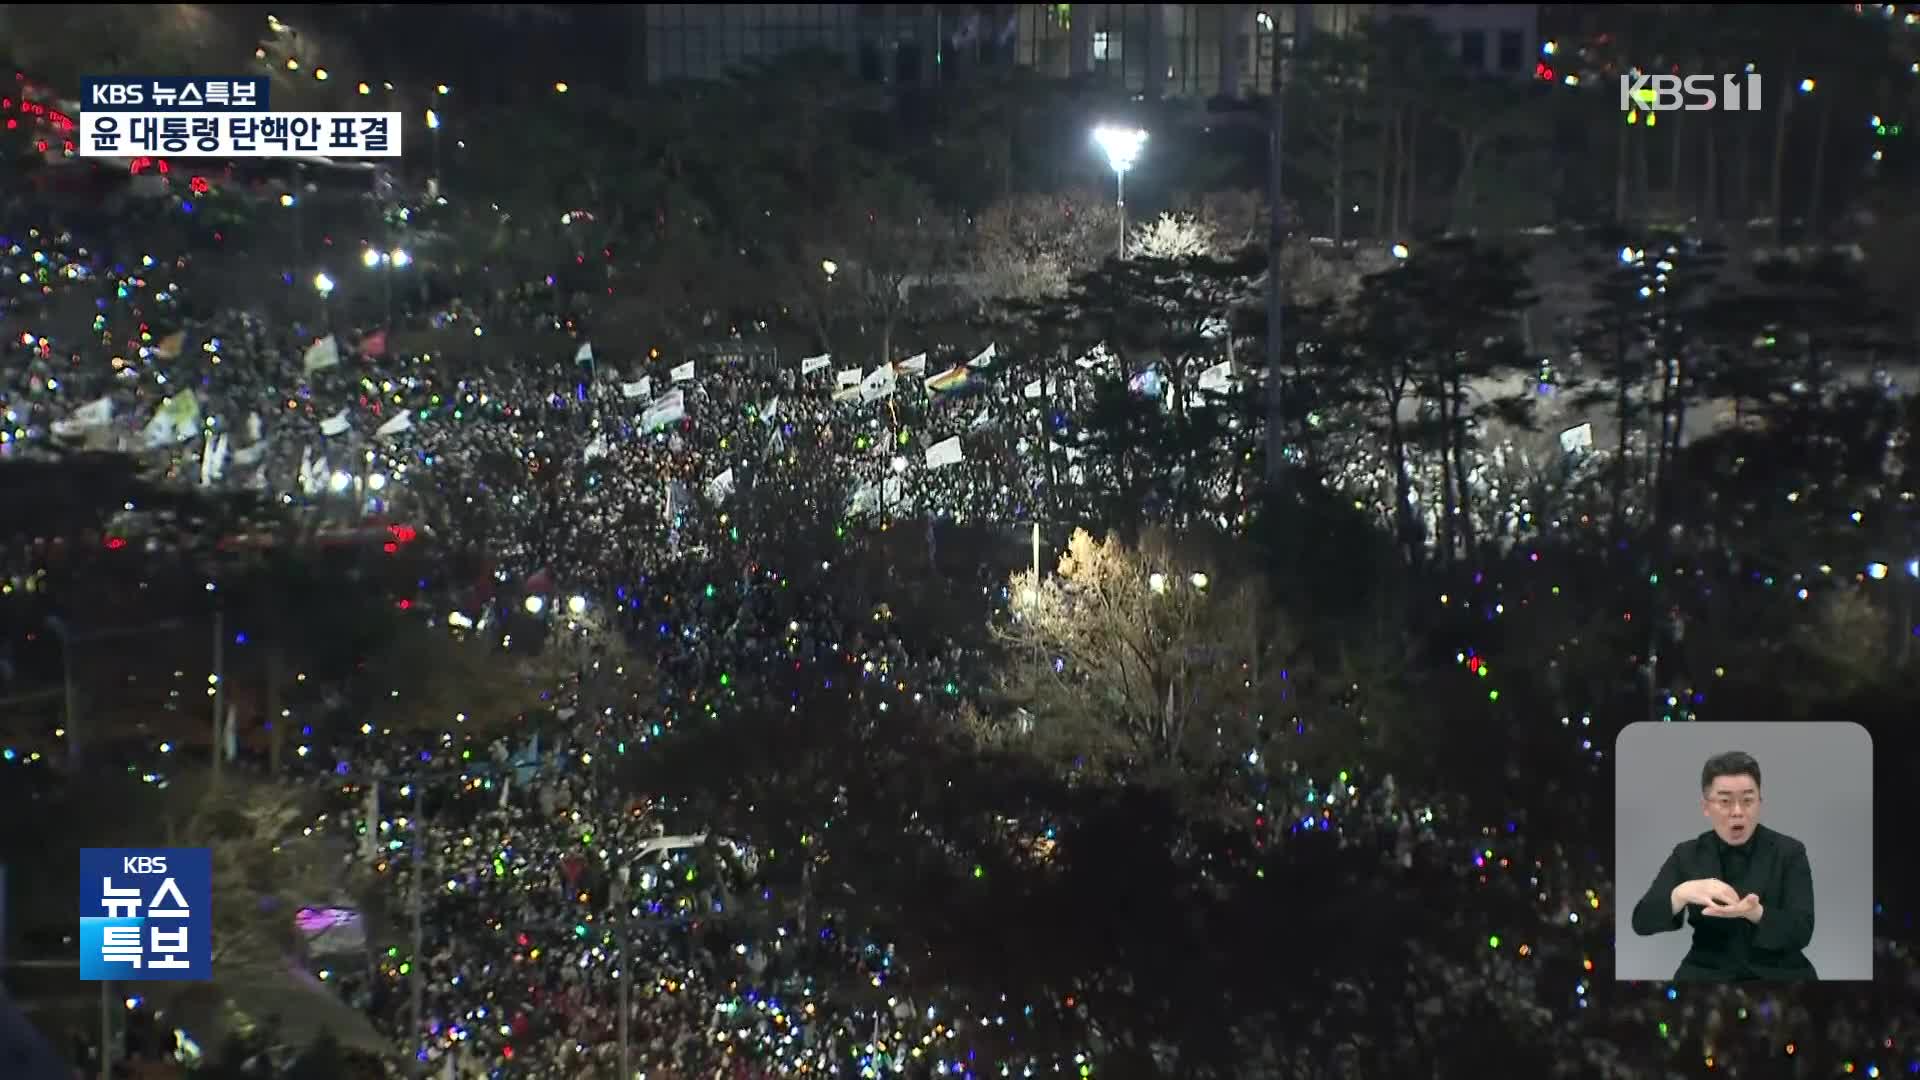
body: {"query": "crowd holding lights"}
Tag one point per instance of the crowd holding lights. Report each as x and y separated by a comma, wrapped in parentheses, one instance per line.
(530, 414)
(546, 887)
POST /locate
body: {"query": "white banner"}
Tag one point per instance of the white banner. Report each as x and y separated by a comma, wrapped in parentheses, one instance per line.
(337, 424)
(88, 417)
(633, 391)
(321, 355)
(1218, 378)
(879, 384)
(811, 364)
(671, 408)
(400, 421)
(945, 452)
(683, 373)
(846, 377)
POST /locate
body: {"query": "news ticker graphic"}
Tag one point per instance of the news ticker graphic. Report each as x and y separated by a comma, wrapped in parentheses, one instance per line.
(146, 914)
(240, 134)
(175, 93)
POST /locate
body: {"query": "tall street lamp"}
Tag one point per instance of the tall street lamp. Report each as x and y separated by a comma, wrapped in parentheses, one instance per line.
(1122, 146)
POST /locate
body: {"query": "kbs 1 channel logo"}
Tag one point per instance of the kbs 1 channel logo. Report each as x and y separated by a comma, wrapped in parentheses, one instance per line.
(1690, 93)
(146, 914)
(220, 117)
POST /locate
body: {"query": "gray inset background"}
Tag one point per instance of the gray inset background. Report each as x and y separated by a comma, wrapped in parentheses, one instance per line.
(1816, 785)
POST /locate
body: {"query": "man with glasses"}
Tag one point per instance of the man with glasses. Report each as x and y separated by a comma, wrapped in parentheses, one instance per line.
(1747, 889)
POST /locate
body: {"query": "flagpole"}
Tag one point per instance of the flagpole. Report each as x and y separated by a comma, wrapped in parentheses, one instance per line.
(219, 744)
(418, 981)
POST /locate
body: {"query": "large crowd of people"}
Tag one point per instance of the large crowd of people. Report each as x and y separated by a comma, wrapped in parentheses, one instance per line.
(624, 480)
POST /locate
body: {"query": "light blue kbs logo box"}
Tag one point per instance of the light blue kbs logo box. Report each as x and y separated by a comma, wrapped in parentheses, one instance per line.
(146, 913)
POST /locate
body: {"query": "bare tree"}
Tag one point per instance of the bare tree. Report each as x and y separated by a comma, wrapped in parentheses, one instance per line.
(1135, 654)
(1238, 218)
(1031, 247)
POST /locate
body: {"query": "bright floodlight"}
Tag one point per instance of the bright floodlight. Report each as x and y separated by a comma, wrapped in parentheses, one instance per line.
(829, 267)
(577, 605)
(433, 120)
(535, 605)
(1122, 145)
(322, 284)
(1400, 251)
(1199, 581)
(1157, 582)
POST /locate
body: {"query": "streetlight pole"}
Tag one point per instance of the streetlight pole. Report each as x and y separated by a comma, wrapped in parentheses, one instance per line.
(1276, 237)
(418, 983)
(626, 1002)
(1122, 146)
(106, 1029)
(219, 685)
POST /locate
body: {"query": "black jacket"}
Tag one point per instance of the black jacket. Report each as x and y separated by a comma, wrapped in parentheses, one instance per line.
(1729, 950)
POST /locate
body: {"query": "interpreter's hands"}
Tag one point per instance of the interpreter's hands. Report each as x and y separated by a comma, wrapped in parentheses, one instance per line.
(1706, 892)
(1747, 907)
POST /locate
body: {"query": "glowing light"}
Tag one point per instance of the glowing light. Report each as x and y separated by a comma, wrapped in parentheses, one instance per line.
(1157, 582)
(1807, 85)
(535, 605)
(320, 74)
(1122, 145)
(576, 605)
(323, 284)
(370, 258)
(1400, 251)
(560, 88)
(829, 267)
(364, 89)
(433, 120)
(400, 258)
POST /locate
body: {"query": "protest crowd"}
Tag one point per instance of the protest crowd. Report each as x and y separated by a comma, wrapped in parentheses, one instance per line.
(587, 471)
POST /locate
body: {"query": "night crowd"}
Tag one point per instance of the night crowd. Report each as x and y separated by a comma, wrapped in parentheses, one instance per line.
(586, 472)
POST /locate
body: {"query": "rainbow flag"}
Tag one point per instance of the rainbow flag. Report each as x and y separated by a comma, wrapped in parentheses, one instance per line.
(947, 381)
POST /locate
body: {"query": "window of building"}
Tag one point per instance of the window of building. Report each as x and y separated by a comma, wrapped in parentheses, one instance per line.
(1511, 54)
(1100, 40)
(1473, 49)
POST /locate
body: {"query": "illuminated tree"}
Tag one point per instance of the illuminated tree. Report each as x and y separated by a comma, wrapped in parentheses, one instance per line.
(1134, 655)
(1174, 236)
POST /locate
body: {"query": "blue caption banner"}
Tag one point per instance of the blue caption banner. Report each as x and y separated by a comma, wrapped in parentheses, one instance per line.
(146, 914)
(175, 93)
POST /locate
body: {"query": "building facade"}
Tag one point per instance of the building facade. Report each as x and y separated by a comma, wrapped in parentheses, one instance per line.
(1157, 50)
